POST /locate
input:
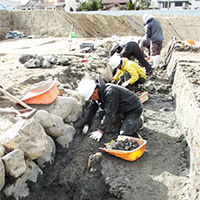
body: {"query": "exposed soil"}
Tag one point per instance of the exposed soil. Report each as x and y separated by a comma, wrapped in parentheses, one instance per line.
(58, 24)
(162, 173)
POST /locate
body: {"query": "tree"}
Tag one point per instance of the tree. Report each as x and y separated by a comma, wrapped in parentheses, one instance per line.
(90, 5)
(120, 8)
(130, 5)
(138, 5)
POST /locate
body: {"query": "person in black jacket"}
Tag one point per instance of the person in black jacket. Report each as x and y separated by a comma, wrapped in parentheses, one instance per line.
(113, 100)
(131, 50)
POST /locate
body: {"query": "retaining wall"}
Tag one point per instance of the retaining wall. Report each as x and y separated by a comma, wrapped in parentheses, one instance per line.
(187, 110)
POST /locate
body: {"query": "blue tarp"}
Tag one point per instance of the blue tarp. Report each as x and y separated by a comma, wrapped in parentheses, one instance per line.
(3, 7)
(15, 34)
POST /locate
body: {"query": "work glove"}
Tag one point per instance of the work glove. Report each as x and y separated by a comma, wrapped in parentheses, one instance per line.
(96, 135)
(85, 129)
(125, 84)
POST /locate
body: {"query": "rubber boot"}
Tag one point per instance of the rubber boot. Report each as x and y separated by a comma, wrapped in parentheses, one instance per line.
(156, 60)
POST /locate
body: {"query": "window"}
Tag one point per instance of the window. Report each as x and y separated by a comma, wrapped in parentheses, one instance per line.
(166, 4)
(178, 4)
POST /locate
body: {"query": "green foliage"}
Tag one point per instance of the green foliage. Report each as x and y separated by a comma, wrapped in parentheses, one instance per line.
(146, 5)
(130, 5)
(96, 5)
(90, 5)
(138, 5)
(120, 8)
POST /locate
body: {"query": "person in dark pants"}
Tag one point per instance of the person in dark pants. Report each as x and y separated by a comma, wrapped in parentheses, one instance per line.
(155, 34)
(131, 50)
(113, 100)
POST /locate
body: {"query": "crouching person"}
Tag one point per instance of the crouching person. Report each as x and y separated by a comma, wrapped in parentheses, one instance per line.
(128, 72)
(113, 100)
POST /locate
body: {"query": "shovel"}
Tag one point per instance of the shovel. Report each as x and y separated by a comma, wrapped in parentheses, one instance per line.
(14, 98)
(25, 113)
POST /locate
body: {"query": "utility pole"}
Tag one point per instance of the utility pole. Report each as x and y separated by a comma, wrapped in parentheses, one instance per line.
(168, 4)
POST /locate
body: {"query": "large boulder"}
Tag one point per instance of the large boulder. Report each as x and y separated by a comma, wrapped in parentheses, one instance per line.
(57, 127)
(29, 136)
(67, 108)
(14, 162)
(44, 118)
(2, 150)
(48, 158)
(20, 187)
(6, 121)
(2, 174)
(67, 135)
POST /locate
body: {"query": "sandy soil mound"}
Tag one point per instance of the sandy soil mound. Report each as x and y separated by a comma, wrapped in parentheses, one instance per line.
(58, 24)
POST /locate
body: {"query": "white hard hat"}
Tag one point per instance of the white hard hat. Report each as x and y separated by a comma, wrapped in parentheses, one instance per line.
(114, 61)
(86, 88)
(146, 17)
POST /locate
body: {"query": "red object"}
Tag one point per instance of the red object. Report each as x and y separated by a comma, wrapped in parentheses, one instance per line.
(43, 94)
(84, 60)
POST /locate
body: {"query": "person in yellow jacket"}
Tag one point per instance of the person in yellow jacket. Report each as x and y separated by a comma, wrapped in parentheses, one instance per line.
(129, 72)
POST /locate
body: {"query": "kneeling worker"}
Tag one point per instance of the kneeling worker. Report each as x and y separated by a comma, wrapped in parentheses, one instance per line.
(113, 100)
(129, 50)
(128, 72)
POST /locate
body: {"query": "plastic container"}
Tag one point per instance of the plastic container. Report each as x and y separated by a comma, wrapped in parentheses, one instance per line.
(128, 155)
(44, 94)
(191, 42)
(84, 45)
(143, 96)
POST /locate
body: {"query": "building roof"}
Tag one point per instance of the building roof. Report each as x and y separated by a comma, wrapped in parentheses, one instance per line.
(114, 1)
(31, 3)
(9, 3)
(3, 7)
(187, 1)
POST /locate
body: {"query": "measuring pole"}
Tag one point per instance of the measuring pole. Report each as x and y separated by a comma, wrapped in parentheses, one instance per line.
(70, 37)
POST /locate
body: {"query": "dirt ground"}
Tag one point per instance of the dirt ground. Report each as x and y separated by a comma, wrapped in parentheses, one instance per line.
(162, 173)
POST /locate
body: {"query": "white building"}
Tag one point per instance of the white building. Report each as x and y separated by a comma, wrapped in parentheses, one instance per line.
(174, 4)
(195, 5)
(67, 5)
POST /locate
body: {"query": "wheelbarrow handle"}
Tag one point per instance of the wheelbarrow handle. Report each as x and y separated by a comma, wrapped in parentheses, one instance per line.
(25, 114)
(8, 111)
(31, 113)
(14, 98)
